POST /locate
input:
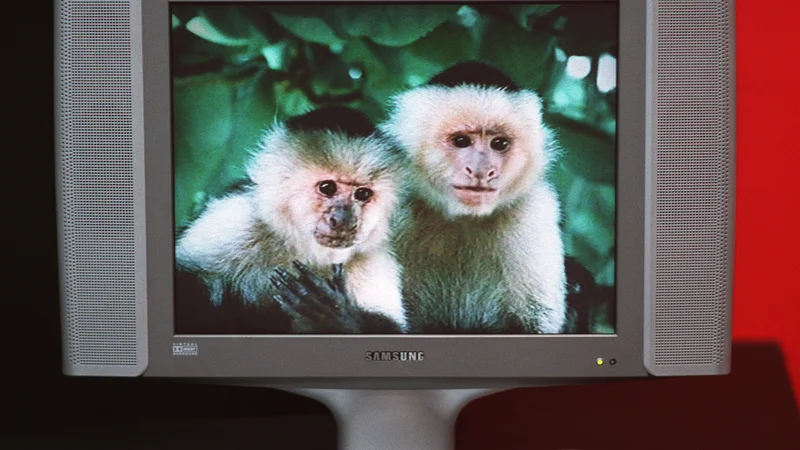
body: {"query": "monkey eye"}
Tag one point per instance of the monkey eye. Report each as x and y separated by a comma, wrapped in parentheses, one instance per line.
(500, 144)
(327, 188)
(363, 194)
(462, 141)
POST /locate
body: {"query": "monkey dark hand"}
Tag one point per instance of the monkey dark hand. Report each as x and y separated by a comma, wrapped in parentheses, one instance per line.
(322, 306)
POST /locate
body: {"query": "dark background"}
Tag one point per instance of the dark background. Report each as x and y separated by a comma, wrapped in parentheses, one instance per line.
(751, 409)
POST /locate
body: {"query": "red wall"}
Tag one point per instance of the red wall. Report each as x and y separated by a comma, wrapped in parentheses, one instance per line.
(767, 256)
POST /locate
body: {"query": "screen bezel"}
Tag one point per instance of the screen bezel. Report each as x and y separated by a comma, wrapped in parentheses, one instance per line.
(458, 357)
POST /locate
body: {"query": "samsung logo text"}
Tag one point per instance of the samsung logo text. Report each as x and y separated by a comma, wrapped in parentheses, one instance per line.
(395, 356)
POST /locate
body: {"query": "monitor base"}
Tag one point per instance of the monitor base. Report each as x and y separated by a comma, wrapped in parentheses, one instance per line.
(395, 419)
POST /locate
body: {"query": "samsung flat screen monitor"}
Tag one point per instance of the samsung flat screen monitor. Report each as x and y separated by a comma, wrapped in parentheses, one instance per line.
(386, 196)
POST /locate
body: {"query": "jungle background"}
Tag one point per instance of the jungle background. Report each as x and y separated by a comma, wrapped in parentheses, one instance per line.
(236, 69)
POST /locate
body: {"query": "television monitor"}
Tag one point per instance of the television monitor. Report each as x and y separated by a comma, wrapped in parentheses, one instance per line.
(394, 204)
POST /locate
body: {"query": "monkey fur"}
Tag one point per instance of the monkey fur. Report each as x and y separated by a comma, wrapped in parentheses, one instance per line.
(320, 196)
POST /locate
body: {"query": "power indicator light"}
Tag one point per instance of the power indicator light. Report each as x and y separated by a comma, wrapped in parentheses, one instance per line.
(600, 361)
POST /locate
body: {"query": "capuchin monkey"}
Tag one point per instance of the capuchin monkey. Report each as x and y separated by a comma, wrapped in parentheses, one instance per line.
(320, 198)
(481, 246)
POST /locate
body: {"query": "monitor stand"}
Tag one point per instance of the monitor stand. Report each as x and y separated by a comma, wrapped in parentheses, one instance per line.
(395, 419)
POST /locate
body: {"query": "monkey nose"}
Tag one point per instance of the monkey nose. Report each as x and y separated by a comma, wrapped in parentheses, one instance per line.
(341, 219)
(481, 174)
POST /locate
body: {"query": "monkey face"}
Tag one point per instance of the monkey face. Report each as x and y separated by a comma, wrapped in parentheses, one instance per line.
(473, 149)
(476, 161)
(339, 208)
(329, 195)
(477, 167)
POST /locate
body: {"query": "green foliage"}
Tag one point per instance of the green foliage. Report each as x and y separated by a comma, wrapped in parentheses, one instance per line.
(440, 49)
(523, 55)
(310, 29)
(236, 70)
(392, 25)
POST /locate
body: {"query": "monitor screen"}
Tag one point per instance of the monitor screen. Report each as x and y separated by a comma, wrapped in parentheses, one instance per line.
(485, 192)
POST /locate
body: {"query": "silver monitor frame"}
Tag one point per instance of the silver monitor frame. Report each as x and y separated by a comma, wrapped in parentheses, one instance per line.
(338, 360)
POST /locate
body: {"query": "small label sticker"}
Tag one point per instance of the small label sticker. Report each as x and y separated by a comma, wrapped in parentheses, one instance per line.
(184, 349)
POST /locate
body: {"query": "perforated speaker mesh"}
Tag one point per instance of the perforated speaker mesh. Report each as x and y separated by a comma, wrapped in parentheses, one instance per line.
(694, 139)
(96, 183)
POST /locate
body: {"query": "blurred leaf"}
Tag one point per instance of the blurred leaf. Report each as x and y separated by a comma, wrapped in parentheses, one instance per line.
(252, 113)
(467, 16)
(202, 127)
(291, 101)
(311, 29)
(217, 40)
(231, 22)
(598, 235)
(278, 55)
(527, 14)
(203, 28)
(570, 98)
(586, 152)
(185, 11)
(445, 46)
(522, 54)
(392, 25)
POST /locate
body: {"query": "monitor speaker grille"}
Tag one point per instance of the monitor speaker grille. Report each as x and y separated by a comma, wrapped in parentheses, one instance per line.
(694, 179)
(96, 148)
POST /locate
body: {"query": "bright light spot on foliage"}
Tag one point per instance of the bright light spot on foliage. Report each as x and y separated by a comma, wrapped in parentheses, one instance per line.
(607, 73)
(274, 55)
(355, 73)
(561, 55)
(337, 47)
(561, 98)
(570, 98)
(467, 16)
(579, 67)
(201, 27)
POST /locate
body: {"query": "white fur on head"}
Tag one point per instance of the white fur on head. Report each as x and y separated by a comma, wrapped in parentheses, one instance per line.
(287, 168)
(422, 119)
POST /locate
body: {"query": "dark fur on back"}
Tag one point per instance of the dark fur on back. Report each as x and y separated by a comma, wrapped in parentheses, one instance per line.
(339, 119)
(473, 73)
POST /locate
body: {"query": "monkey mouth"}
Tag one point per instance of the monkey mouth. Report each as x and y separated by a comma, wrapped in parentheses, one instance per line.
(335, 240)
(478, 189)
(475, 195)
